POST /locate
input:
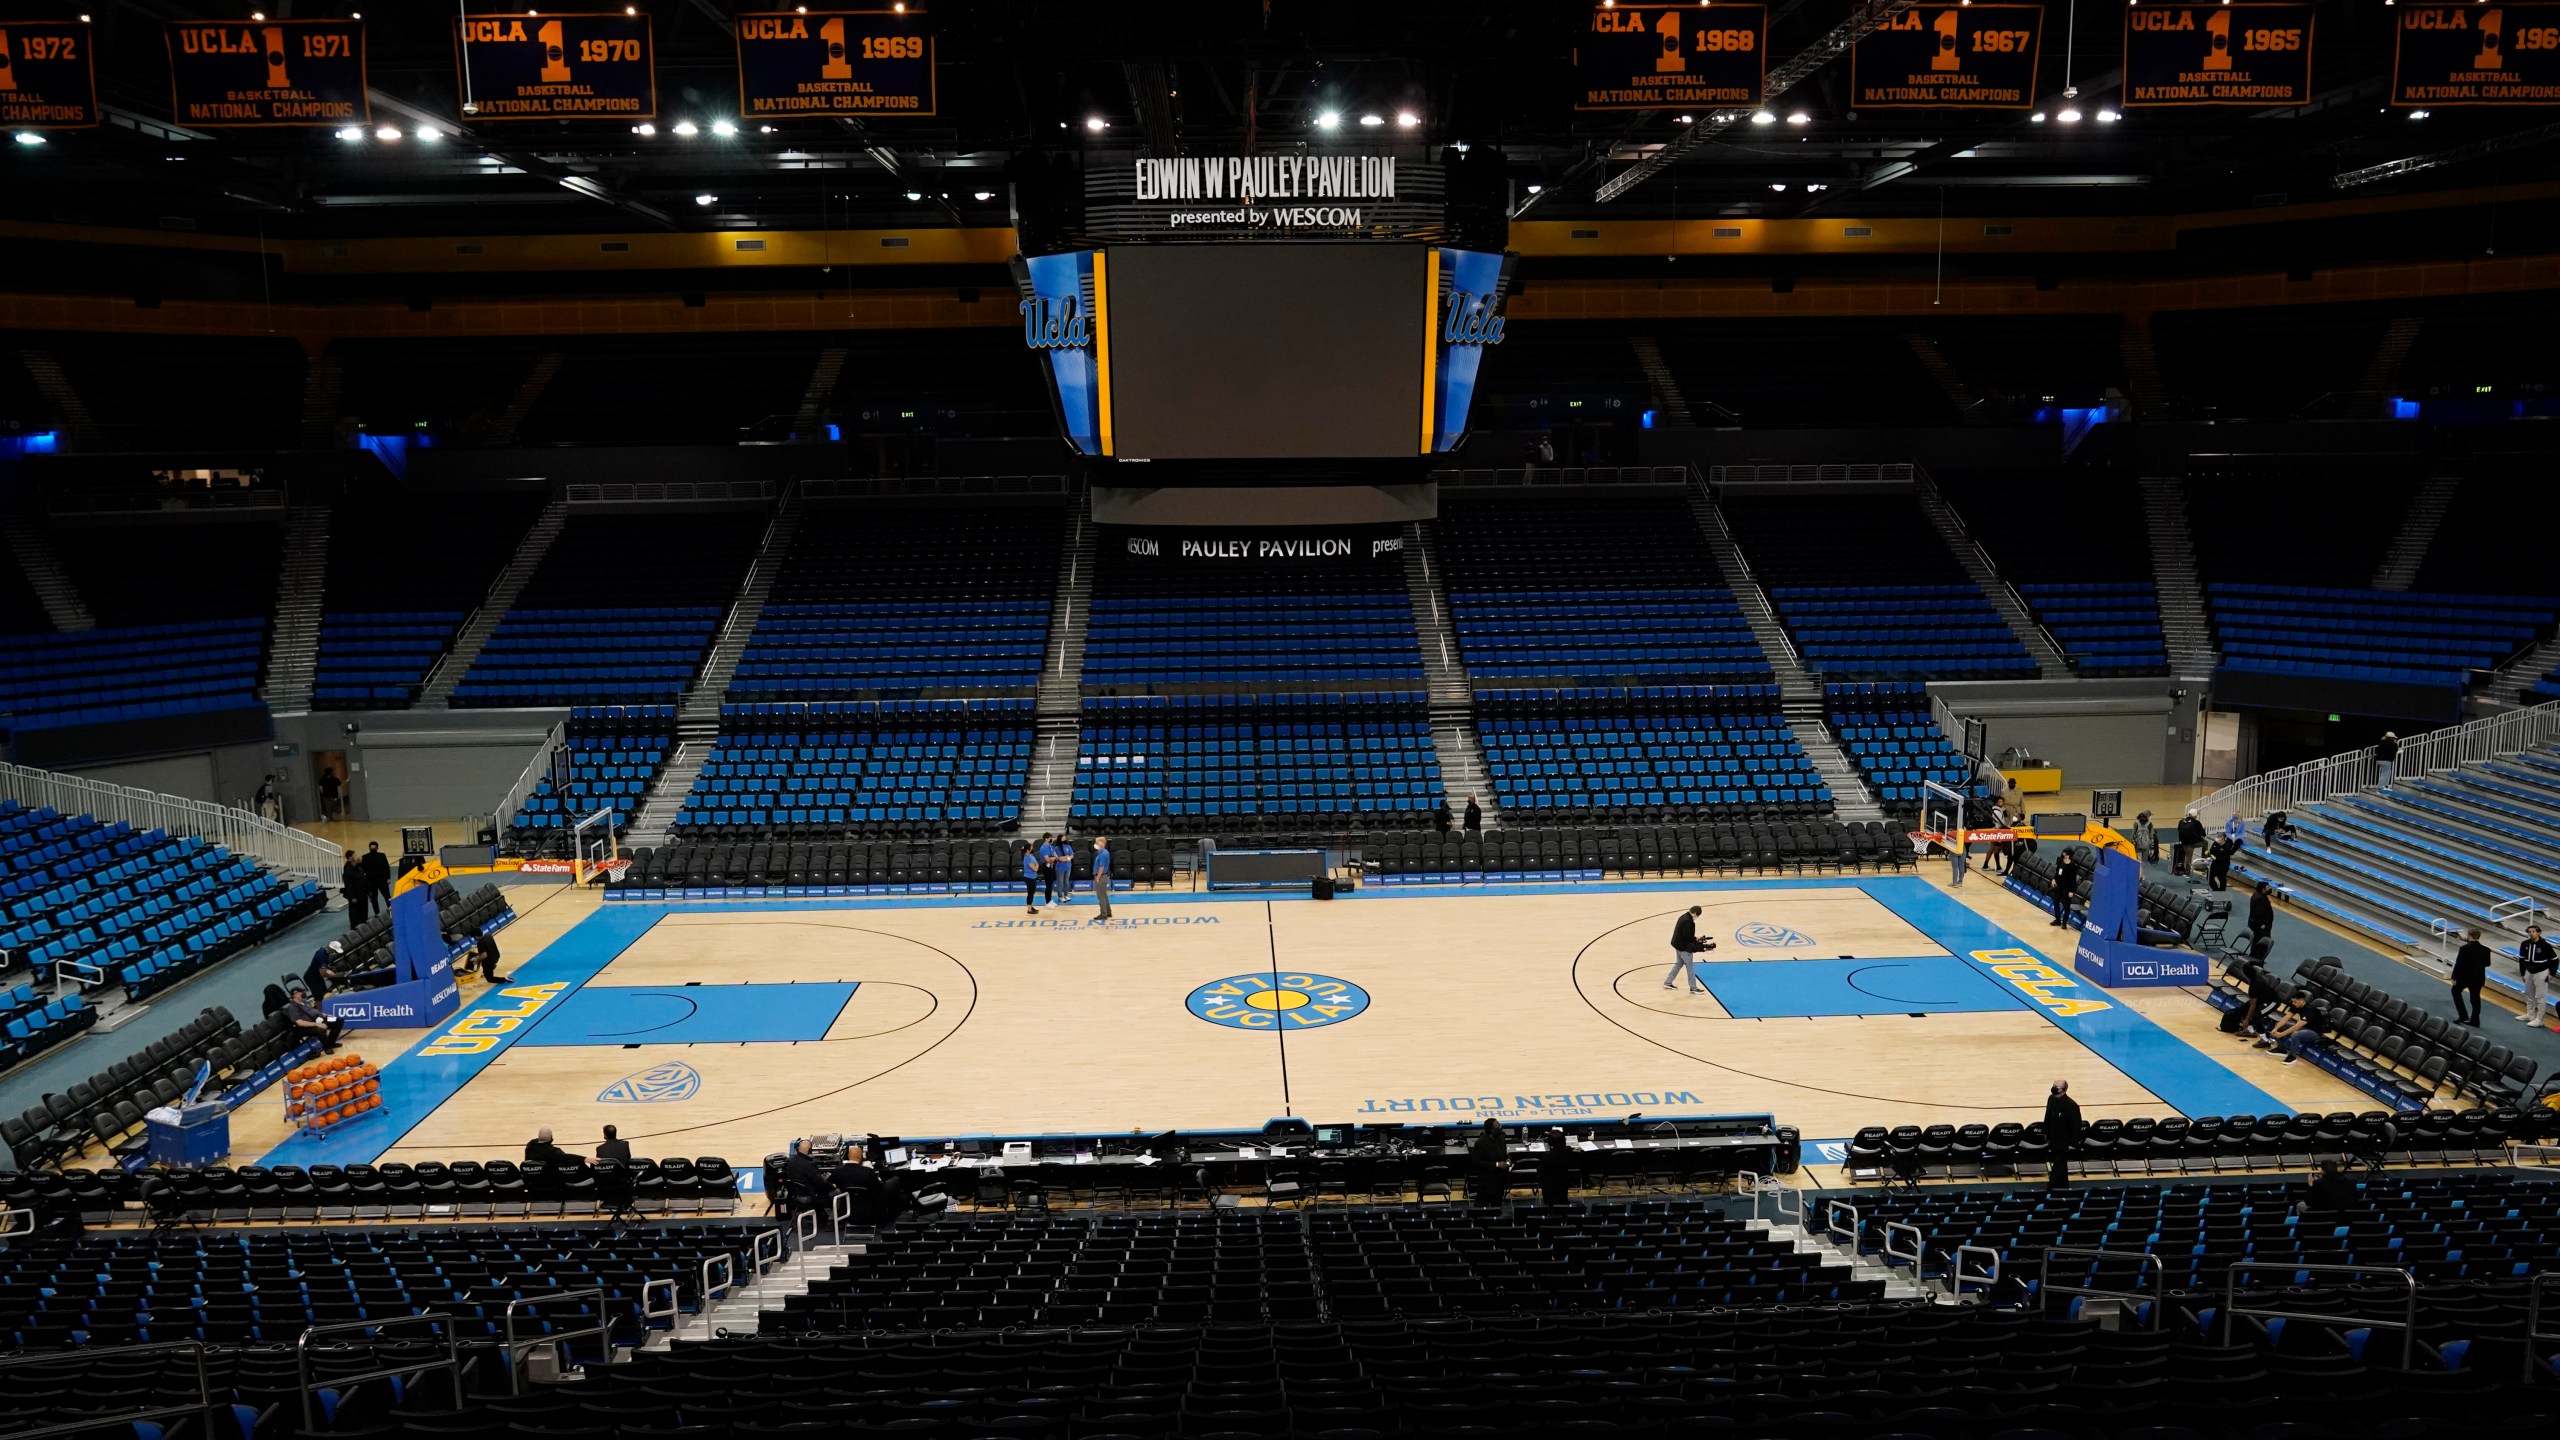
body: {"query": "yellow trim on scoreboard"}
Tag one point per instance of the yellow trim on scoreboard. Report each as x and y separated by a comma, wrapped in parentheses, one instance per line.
(1430, 337)
(1102, 345)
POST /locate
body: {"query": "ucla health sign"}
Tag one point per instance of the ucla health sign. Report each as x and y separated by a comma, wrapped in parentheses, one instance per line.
(47, 77)
(225, 73)
(556, 67)
(2476, 55)
(2217, 55)
(851, 62)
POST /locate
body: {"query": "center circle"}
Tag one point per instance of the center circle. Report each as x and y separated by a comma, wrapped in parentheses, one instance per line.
(1276, 999)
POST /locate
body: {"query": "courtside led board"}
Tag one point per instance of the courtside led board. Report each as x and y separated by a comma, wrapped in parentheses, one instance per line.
(47, 81)
(852, 62)
(1956, 57)
(1665, 57)
(2476, 55)
(556, 67)
(273, 72)
(2217, 55)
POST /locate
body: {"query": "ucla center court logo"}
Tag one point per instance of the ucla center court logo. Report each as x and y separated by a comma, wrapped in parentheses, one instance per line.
(674, 1080)
(1762, 936)
(1283, 1001)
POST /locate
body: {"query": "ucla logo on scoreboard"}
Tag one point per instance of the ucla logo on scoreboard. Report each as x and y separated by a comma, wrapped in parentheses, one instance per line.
(1058, 324)
(1471, 320)
(1283, 1001)
(1760, 935)
(658, 1084)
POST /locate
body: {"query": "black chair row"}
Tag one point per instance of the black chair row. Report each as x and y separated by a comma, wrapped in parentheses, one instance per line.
(368, 946)
(880, 866)
(2392, 1048)
(107, 1107)
(2177, 1145)
(1756, 847)
(391, 1191)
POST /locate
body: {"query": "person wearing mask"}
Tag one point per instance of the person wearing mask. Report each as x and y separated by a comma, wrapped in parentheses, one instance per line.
(1062, 870)
(1686, 946)
(2386, 757)
(2190, 842)
(2146, 839)
(1440, 816)
(377, 873)
(2470, 972)
(1031, 858)
(2262, 911)
(1048, 860)
(2292, 1031)
(1475, 816)
(2217, 870)
(2536, 960)
(2066, 887)
(303, 1013)
(1101, 879)
(614, 1146)
(1995, 859)
(2061, 1133)
(1488, 1164)
(358, 887)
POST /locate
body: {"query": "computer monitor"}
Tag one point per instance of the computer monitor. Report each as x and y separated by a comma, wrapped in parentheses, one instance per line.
(1329, 1135)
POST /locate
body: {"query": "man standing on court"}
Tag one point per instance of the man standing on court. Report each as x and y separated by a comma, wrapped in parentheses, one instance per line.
(2066, 886)
(1101, 878)
(359, 888)
(2536, 959)
(1032, 859)
(2061, 1133)
(2470, 972)
(377, 869)
(1686, 946)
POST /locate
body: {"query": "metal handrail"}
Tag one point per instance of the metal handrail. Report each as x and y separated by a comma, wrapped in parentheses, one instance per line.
(728, 1278)
(242, 832)
(1831, 1231)
(9, 1225)
(1755, 1185)
(2550, 1154)
(756, 1248)
(2315, 780)
(648, 1313)
(1742, 581)
(1917, 1255)
(2158, 1296)
(2407, 1325)
(1987, 1278)
(516, 1349)
(2533, 1330)
(536, 770)
(451, 1365)
(86, 975)
(839, 1210)
(203, 1405)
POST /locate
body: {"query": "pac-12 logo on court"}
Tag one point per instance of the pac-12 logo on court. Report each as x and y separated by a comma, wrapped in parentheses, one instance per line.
(673, 1080)
(1268, 1001)
(1763, 936)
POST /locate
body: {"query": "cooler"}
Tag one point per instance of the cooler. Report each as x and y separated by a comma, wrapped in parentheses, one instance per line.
(188, 1135)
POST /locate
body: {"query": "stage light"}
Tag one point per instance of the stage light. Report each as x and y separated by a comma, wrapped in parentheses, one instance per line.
(900, 6)
(351, 134)
(984, 195)
(1799, 118)
(1328, 120)
(1815, 189)
(1096, 124)
(1763, 117)
(1368, 121)
(766, 130)
(2108, 117)
(2417, 114)
(28, 137)
(915, 194)
(2037, 118)
(425, 134)
(644, 128)
(706, 199)
(1686, 119)
(1406, 119)
(724, 128)
(2069, 117)
(257, 14)
(387, 132)
(1535, 189)
(687, 129)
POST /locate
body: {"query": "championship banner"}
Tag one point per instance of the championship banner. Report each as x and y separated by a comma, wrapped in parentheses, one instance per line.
(274, 72)
(2477, 55)
(1960, 57)
(48, 80)
(853, 62)
(2217, 54)
(1670, 57)
(556, 67)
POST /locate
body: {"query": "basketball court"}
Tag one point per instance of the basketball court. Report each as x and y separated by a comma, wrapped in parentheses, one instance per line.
(729, 1028)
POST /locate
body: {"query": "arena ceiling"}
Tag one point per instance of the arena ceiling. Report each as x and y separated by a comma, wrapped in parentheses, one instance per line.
(1023, 79)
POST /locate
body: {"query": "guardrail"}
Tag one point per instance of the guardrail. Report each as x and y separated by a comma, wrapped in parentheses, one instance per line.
(728, 1279)
(517, 1349)
(650, 1314)
(1893, 474)
(2550, 1155)
(2407, 1324)
(2533, 1332)
(536, 770)
(1917, 1256)
(1987, 1278)
(867, 487)
(451, 1364)
(17, 1222)
(82, 975)
(620, 492)
(1557, 475)
(2158, 1294)
(1789, 1206)
(1839, 1239)
(203, 1404)
(2314, 780)
(1742, 579)
(280, 847)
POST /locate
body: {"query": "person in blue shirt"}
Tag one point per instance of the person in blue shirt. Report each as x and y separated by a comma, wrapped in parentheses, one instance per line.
(1048, 858)
(1101, 877)
(1031, 877)
(1065, 870)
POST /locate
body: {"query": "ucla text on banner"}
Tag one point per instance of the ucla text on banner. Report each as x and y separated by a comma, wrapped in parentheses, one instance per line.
(47, 78)
(2476, 55)
(854, 62)
(556, 67)
(1961, 57)
(2216, 54)
(272, 72)
(1667, 57)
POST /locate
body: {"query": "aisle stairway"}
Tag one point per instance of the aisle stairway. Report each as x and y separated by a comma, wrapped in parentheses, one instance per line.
(1048, 794)
(45, 575)
(1795, 684)
(658, 809)
(448, 673)
(1950, 383)
(78, 425)
(2142, 381)
(1850, 797)
(1671, 407)
(2173, 574)
(320, 384)
(528, 394)
(293, 642)
(700, 711)
(2415, 863)
(1443, 663)
(2050, 664)
(2417, 532)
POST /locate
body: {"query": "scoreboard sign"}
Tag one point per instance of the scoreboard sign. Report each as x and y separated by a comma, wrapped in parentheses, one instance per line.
(2217, 55)
(556, 67)
(2477, 55)
(855, 62)
(47, 81)
(1669, 57)
(275, 72)
(1958, 57)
